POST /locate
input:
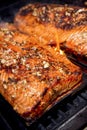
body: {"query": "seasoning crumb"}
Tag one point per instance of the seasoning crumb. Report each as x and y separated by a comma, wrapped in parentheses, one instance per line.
(5, 86)
(46, 64)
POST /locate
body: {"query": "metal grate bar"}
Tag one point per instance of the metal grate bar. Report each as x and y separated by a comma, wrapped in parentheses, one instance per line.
(4, 124)
(67, 113)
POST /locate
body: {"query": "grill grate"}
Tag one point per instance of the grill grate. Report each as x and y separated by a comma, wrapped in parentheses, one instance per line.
(65, 115)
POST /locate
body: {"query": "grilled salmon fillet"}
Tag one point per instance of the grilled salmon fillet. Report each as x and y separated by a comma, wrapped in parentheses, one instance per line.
(9, 33)
(76, 47)
(43, 15)
(30, 76)
(55, 24)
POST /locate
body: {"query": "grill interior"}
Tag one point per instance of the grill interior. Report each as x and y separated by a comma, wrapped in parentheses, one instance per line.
(72, 2)
(70, 112)
(8, 8)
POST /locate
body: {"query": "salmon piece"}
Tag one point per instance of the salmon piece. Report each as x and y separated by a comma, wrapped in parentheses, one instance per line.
(9, 32)
(50, 24)
(34, 17)
(53, 25)
(32, 76)
(76, 47)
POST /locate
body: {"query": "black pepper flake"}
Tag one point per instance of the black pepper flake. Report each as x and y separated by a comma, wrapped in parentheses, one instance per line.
(44, 92)
(26, 11)
(12, 80)
(44, 18)
(36, 105)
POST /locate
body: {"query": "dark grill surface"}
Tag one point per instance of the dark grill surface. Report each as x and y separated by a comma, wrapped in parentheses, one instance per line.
(9, 8)
(4, 3)
(69, 114)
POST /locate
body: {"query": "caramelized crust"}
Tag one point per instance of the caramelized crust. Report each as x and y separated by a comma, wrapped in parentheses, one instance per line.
(76, 47)
(9, 32)
(53, 25)
(31, 76)
(64, 17)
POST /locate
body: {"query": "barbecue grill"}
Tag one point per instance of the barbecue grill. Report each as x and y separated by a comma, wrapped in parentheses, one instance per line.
(68, 114)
